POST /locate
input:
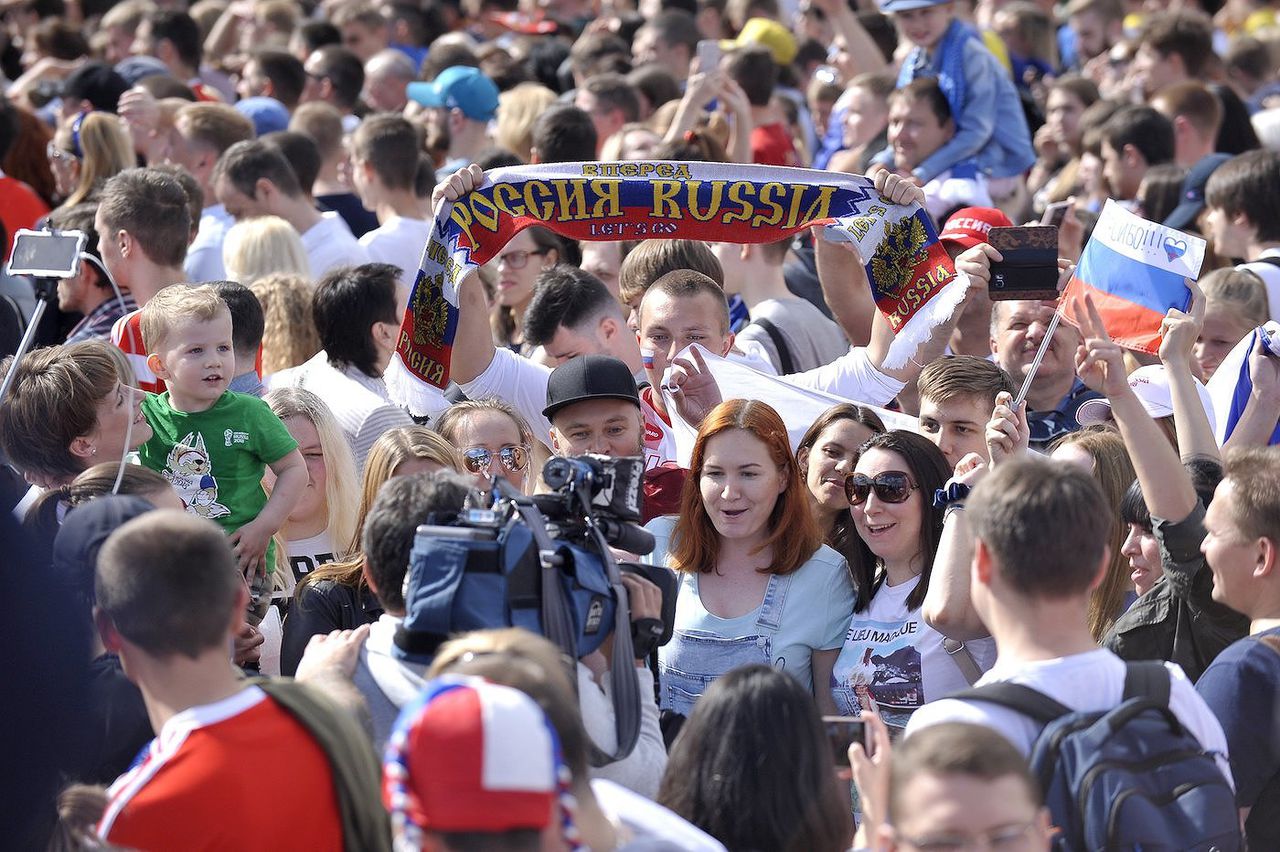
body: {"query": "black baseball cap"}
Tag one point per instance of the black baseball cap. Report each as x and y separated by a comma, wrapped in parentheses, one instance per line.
(589, 377)
(95, 82)
(1191, 201)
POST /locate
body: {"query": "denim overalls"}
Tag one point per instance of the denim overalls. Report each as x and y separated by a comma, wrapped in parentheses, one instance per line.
(694, 658)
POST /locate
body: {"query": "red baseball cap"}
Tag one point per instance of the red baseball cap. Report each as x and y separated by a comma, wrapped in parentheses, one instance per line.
(969, 226)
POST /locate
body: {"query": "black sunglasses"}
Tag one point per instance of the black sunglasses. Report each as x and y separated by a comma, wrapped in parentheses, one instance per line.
(892, 486)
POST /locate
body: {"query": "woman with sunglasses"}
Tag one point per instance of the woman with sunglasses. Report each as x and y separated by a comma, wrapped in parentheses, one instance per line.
(890, 655)
(757, 585)
(335, 596)
(492, 439)
(85, 152)
(826, 456)
(517, 267)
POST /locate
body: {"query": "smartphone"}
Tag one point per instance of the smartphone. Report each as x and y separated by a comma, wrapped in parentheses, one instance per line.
(46, 254)
(842, 732)
(1029, 269)
(1055, 213)
(708, 55)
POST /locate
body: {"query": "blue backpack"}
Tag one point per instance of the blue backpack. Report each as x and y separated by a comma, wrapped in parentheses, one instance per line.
(1128, 778)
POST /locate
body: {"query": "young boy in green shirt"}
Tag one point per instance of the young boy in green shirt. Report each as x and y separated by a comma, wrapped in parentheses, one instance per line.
(211, 444)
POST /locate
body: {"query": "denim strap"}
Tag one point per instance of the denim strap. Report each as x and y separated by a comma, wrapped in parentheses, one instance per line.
(775, 598)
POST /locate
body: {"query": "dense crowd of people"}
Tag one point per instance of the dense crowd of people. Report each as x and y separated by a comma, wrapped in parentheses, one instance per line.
(1010, 559)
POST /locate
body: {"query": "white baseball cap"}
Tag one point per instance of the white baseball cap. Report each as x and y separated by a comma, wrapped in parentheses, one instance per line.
(1151, 385)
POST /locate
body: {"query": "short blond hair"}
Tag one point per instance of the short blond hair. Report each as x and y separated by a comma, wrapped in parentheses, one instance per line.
(177, 304)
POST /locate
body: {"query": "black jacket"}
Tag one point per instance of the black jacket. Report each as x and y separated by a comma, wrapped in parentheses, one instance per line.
(1177, 619)
(322, 607)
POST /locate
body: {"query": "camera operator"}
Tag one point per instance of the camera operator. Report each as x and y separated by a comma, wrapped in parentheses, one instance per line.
(387, 677)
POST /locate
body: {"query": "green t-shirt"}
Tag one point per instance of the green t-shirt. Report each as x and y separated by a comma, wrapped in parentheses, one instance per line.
(215, 459)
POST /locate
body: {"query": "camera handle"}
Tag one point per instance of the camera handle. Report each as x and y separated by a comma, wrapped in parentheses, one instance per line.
(557, 621)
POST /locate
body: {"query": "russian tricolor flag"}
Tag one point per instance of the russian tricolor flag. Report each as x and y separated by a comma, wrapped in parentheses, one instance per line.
(1232, 383)
(1135, 271)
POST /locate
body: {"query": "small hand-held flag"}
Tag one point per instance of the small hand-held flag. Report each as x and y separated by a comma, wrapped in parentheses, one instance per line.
(1135, 271)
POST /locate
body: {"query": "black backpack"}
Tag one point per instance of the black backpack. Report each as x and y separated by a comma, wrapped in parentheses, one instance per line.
(1128, 778)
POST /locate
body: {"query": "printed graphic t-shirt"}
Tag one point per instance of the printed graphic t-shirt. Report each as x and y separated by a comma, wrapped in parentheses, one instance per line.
(899, 658)
(214, 459)
(308, 554)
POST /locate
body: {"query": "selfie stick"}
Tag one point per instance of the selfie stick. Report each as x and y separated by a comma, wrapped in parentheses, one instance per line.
(44, 293)
(1035, 365)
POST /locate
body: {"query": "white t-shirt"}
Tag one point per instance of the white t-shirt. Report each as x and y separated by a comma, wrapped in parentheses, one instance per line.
(649, 822)
(814, 617)
(330, 244)
(204, 255)
(947, 191)
(308, 554)
(400, 242)
(1086, 682)
(893, 652)
(641, 770)
(359, 403)
(1270, 276)
(812, 340)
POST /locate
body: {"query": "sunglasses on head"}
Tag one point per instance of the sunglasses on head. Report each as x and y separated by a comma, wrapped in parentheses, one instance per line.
(892, 486)
(478, 459)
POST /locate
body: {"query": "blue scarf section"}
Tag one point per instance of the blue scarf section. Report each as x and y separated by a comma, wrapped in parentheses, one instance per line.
(947, 64)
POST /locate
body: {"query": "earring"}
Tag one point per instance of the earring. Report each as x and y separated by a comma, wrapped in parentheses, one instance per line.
(93, 451)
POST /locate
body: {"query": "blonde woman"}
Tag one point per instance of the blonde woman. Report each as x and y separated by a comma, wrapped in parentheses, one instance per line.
(335, 596)
(492, 439)
(321, 526)
(85, 152)
(262, 246)
(289, 336)
(518, 109)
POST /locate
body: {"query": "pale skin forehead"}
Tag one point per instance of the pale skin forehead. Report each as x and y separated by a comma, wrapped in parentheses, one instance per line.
(698, 312)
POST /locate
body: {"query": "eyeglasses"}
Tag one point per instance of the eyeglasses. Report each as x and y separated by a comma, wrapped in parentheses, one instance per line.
(513, 458)
(518, 259)
(1007, 838)
(892, 486)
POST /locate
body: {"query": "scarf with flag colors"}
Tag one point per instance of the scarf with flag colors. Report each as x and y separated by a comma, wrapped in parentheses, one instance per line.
(1135, 271)
(912, 279)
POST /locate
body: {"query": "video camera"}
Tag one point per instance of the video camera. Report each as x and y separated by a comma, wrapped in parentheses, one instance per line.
(544, 563)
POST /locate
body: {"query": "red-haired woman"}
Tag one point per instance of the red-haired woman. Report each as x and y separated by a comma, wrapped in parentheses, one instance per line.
(757, 583)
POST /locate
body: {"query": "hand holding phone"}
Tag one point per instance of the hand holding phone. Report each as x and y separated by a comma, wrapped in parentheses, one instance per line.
(843, 731)
(1028, 269)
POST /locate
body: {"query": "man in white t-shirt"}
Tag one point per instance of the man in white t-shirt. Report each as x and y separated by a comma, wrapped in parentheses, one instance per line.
(1032, 593)
(254, 179)
(384, 165)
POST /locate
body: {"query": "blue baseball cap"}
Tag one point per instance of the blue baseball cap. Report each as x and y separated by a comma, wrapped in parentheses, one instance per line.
(267, 114)
(1191, 200)
(889, 6)
(460, 87)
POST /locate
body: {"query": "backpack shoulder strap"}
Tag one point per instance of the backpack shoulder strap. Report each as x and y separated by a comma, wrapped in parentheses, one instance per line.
(1270, 260)
(1147, 679)
(1014, 696)
(785, 365)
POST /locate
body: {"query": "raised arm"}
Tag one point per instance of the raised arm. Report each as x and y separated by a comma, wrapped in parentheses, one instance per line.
(1178, 337)
(473, 341)
(844, 281)
(1166, 485)
(948, 606)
